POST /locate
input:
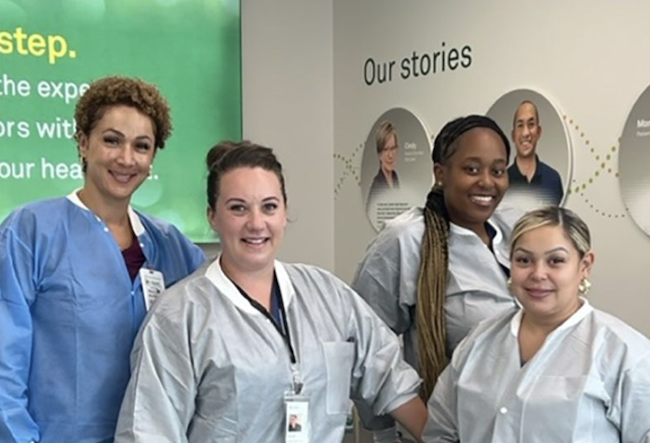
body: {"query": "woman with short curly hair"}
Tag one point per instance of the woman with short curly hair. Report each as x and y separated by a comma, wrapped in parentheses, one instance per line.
(72, 271)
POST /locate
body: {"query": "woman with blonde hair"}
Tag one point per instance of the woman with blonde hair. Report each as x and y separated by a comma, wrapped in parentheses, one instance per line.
(557, 369)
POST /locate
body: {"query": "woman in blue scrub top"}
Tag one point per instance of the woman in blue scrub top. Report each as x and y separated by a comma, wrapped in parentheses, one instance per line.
(71, 298)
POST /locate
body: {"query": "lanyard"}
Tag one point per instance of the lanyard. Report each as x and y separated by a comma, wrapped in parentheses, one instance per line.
(283, 326)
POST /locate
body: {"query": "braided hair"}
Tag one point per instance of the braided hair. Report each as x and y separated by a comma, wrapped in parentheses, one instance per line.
(434, 262)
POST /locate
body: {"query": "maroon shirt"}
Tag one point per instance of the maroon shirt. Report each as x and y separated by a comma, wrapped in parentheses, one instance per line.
(133, 258)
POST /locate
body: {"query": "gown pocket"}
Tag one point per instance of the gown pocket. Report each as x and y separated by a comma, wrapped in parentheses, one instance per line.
(339, 360)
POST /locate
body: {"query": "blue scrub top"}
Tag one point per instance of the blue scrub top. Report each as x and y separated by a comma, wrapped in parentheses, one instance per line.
(69, 314)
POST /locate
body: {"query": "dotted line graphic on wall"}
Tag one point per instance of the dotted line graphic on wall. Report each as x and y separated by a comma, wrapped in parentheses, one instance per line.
(603, 166)
(351, 169)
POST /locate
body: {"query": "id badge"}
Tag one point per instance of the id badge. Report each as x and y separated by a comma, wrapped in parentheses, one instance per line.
(296, 418)
(153, 284)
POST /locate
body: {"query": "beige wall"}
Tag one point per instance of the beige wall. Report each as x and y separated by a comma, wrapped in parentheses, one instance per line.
(288, 101)
(591, 59)
(304, 95)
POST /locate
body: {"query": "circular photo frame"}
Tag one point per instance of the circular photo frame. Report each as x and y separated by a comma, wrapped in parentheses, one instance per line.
(541, 154)
(396, 169)
(633, 161)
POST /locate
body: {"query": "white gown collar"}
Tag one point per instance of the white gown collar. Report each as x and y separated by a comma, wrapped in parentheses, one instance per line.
(459, 230)
(136, 223)
(581, 313)
(218, 278)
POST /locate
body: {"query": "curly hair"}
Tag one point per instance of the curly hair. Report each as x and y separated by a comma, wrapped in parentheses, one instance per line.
(116, 91)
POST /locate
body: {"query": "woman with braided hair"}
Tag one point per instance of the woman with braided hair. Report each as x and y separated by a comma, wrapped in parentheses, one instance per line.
(433, 273)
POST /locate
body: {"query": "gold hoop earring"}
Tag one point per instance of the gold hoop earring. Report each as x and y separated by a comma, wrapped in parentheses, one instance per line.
(584, 286)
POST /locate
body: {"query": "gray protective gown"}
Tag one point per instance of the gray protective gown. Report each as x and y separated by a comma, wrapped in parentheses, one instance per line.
(208, 367)
(387, 278)
(590, 382)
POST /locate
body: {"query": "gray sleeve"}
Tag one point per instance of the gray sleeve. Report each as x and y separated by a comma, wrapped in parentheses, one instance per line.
(442, 422)
(387, 276)
(386, 279)
(631, 403)
(159, 401)
(381, 380)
